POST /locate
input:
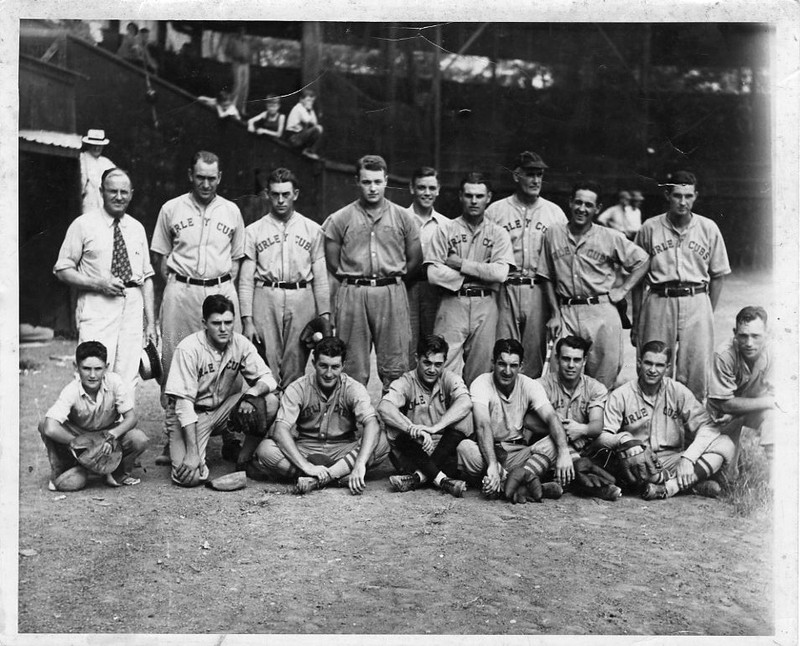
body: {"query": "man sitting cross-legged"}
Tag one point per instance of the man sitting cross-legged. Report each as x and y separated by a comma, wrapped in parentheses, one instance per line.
(426, 413)
(315, 430)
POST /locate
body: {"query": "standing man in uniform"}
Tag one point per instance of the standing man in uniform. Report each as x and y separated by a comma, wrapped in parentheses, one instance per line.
(526, 215)
(688, 261)
(93, 165)
(197, 243)
(205, 385)
(427, 414)
(648, 422)
(579, 263)
(423, 297)
(470, 258)
(315, 430)
(283, 283)
(370, 246)
(104, 255)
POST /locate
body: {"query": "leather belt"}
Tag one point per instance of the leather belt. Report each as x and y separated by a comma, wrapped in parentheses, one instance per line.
(205, 282)
(132, 283)
(524, 280)
(678, 290)
(586, 300)
(281, 285)
(475, 291)
(518, 441)
(371, 282)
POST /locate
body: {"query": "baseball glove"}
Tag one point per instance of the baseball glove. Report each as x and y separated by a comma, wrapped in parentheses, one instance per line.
(88, 449)
(255, 424)
(522, 486)
(638, 464)
(589, 476)
(315, 330)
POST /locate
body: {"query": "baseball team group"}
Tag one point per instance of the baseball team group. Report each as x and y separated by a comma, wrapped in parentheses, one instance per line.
(498, 337)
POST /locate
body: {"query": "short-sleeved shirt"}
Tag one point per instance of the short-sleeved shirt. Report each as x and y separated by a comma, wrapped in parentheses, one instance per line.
(694, 256)
(526, 226)
(588, 394)
(88, 246)
(586, 266)
(92, 169)
(485, 252)
(207, 377)
(421, 405)
(199, 242)
(315, 416)
(75, 406)
(373, 247)
(427, 228)
(661, 421)
(731, 376)
(507, 414)
(622, 218)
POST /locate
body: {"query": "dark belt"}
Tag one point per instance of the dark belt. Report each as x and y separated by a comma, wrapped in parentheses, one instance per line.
(371, 282)
(203, 409)
(586, 300)
(524, 280)
(132, 283)
(678, 289)
(281, 285)
(475, 291)
(517, 442)
(202, 281)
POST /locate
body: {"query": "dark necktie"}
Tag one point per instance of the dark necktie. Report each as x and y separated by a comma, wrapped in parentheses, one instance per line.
(120, 264)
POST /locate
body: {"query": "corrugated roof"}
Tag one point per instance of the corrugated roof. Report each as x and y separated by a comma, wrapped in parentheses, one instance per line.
(50, 138)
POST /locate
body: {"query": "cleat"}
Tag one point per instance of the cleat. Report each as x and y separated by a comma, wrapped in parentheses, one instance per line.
(306, 484)
(608, 492)
(453, 487)
(403, 483)
(164, 460)
(654, 492)
(552, 490)
(707, 489)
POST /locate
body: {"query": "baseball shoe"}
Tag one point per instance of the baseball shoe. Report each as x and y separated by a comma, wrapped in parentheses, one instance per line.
(126, 481)
(164, 460)
(707, 488)
(306, 484)
(453, 487)
(230, 449)
(403, 483)
(51, 486)
(654, 491)
(552, 490)
(608, 492)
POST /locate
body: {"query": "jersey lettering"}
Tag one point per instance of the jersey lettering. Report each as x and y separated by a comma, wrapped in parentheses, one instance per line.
(664, 246)
(183, 224)
(634, 417)
(302, 243)
(699, 249)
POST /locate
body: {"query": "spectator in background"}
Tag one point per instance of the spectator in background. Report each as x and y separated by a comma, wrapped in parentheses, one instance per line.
(270, 122)
(93, 165)
(150, 51)
(302, 126)
(131, 48)
(240, 53)
(224, 105)
(625, 215)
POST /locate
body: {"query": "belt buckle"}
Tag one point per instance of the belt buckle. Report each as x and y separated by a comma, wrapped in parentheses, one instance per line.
(373, 282)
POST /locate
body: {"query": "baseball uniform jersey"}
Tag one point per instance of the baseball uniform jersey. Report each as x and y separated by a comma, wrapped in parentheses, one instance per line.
(587, 267)
(523, 306)
(114, 321)
(691, 256)
(467, 317)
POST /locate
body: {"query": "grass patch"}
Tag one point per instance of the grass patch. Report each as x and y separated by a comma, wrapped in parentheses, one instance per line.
(29, 364)
(750, 494)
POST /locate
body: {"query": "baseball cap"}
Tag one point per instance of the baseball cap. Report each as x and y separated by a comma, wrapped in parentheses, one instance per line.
(681, 177)
(528, 159)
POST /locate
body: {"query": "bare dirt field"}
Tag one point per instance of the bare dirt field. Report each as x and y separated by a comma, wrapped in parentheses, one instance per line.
(158, 559)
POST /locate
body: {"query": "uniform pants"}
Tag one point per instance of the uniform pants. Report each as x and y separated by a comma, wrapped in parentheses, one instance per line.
(279, 316)
(212, 422)
(423, 303)
(599, 324)
(61, 459)
(510, 457)
(762, 422)
(379, 315)
(689, 322)
(308, 138)
(271, 462)
(411, 456)
(116, 322)
(468, 324)
(523, 315)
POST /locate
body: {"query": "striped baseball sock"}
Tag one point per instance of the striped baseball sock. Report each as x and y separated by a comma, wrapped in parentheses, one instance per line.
(343, 465)
(707, 465)
(537, 464)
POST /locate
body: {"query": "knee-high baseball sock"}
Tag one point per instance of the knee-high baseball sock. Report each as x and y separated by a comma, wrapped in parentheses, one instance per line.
(343, 465)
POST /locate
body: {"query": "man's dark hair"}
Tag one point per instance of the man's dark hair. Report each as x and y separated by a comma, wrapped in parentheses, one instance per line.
(217, 304)
(432, 344)
(205, 157)
(371, 162)
(509, 346)
(91, 349)
(751, 313)
(575, 342)
(281, 175)
(586, 185)
(330, 346)
(423, 171)
(475, 178)
(114, 171)
(658, 347)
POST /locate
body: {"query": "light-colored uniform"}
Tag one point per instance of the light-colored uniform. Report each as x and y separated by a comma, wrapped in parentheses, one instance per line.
(626, 219)
(324, 428)
(730, 377)
(467, 317)
(673, 424)
(423, 297)
(288, 289)
(373, 249)
(200, 242)
(507, 415)
(115, 321)
(693, 256)
(78, 413)
(92, 169)
(212, 381)
(583, 268)
(523, 305)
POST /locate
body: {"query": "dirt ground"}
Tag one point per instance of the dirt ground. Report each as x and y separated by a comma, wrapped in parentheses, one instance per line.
(159, 559)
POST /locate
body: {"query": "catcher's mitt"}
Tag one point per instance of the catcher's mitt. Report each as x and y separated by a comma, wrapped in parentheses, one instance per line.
(255, 424)
(315, 330)
(638, 464)
(522, 486)
(88, 449)
(589, 476)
